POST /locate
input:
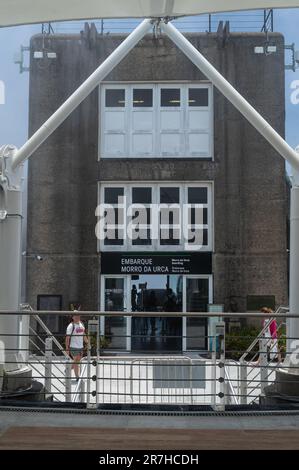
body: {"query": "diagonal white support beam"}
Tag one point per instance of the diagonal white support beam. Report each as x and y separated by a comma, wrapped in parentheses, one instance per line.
(81, 93)
(248, 111)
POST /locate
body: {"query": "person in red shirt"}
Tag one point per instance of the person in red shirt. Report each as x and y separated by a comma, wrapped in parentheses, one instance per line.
(270, 332)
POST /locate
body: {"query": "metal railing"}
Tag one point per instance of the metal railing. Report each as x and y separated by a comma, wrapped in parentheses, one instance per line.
(258, 379)
(215, 378)
(255, 21)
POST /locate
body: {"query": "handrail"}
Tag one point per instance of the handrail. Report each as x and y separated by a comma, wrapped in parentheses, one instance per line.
(260, 335)
(46, 329)
(99, 313)
(230, 385)
(80, 381)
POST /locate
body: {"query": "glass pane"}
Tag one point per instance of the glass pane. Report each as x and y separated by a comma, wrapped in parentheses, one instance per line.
(197, 195)
(170, 97)
(169, 195)
(198, 97)
(198, 236)
(112, 195)
(142, 98)
(115, 98)
(158, 293)
(115, 328)
(197, 298)
(142, 235)
(198, 215)
(141, 195)
(170, 231)
(114, 295)
(114, 221)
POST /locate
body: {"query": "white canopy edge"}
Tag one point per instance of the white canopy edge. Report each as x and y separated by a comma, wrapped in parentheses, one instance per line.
(19, 12)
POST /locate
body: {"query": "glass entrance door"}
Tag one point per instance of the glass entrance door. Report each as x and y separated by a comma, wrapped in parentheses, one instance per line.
(198, 294)
(114, 300)
(155, 293)
(158, 293)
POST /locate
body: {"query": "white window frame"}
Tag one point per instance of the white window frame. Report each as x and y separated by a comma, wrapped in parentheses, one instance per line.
(132, 110)
(128, 246)
(184, 109)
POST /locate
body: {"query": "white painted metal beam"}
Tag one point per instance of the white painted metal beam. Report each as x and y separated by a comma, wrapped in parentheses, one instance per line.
(81, 93)
(16, 12)
(248, 111)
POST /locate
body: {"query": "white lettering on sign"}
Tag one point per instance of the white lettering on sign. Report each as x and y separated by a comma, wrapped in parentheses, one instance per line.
(137, 261)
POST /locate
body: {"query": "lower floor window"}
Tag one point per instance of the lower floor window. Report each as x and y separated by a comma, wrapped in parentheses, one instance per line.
(142, 294)
(152, 216)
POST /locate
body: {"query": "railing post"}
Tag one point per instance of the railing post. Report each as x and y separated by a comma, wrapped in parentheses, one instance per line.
(220, 333)
(68, 381)
(48, 364)
(93, 328)
(82, 392)
(263, 343)
(89, 378)
(214, 365)
(243, 383)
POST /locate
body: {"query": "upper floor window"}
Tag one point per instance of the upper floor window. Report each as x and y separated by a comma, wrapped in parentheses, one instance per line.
(152, 120)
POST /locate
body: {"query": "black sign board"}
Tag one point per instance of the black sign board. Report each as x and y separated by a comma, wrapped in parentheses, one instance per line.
(160, 263)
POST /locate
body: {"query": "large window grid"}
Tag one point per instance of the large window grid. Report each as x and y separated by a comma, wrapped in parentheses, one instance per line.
(151, 198)
(156, 120)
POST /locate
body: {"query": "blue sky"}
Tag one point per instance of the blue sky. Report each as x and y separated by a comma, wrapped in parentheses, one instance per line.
(14, 113)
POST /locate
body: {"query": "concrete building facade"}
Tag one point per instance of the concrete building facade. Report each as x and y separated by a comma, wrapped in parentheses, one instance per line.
(204, 145)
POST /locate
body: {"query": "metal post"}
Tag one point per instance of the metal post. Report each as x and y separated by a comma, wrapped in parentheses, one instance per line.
(248, 111)
(293, 323)
(81, 93)
(48, 364)
(98, 360)
(10, 253)
(243, 384)
(94, 328)
(89, 404)
(68, 381)
(214, 365)
(220, 334)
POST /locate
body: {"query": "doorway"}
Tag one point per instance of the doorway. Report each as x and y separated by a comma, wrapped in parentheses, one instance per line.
(159, 293)
(155, 293)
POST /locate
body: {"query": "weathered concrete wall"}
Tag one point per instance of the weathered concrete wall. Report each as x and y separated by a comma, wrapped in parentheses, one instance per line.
(249, 179)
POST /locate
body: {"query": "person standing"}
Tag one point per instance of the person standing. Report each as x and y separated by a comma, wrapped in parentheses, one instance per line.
(75, 339)
(270, 333)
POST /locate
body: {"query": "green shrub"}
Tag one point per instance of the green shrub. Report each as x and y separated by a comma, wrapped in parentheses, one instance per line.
(104, 343)
(238, 340)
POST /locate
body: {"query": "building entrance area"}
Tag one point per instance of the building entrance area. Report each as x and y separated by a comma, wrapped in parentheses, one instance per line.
(155, 293)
